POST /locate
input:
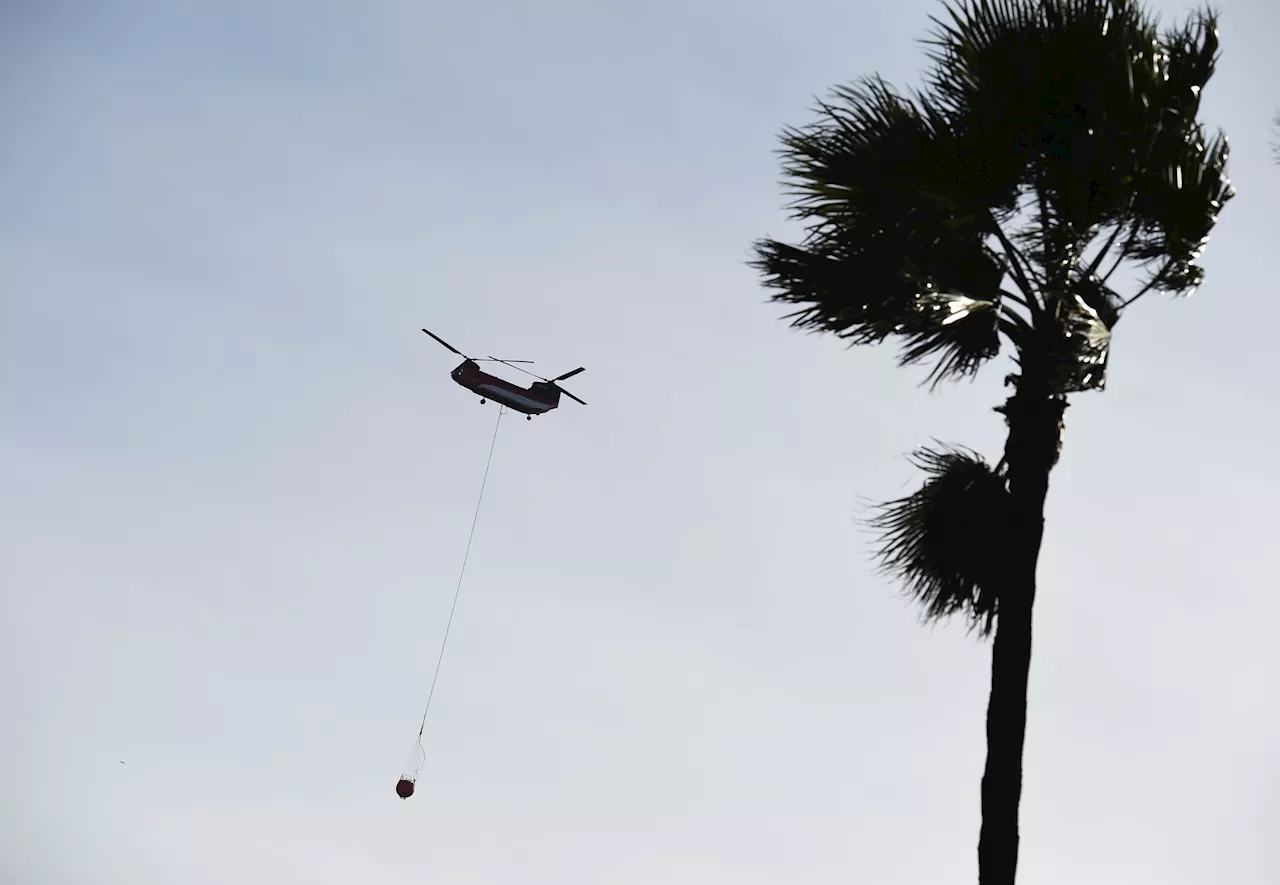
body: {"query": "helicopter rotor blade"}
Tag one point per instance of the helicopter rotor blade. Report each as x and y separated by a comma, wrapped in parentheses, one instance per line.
(569, 374)
(446, 344)
(568, 394)
(512, 364)
(494, 359)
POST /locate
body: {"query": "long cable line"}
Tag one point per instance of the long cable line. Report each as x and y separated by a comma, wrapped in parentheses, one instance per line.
(458, 589)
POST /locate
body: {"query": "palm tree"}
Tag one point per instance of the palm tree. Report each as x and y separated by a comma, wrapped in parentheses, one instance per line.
(1050, 173)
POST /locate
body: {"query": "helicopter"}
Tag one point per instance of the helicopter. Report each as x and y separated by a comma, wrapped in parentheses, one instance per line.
(541, 396)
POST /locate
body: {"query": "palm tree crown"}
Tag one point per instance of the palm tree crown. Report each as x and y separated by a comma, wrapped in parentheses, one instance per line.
(1045, 125)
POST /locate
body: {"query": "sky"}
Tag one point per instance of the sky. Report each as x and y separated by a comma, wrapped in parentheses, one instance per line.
(236, 481)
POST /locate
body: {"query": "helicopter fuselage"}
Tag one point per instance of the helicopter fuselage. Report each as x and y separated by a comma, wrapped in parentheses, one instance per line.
(533, 400)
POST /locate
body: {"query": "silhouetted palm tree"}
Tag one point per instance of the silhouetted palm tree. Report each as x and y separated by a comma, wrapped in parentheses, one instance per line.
(1053, 152)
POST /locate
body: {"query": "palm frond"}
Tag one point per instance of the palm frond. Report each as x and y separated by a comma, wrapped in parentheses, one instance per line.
(1085, 343)
(962, 332)
(1039, 84)
(1087, 102)
(943, 541)
(887, 231)
(1179, 205)
(1178, 178)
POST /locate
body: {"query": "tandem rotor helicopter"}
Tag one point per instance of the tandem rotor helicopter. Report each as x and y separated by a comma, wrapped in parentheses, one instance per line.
(541, 396)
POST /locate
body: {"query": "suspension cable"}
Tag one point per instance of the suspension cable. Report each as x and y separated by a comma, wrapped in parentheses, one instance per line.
(458, 589)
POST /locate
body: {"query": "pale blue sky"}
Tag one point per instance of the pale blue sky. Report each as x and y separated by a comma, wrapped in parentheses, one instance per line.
(237, 480)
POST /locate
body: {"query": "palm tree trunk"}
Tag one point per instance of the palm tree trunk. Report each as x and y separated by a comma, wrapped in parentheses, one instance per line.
(1034, 416)
(1006, 729)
